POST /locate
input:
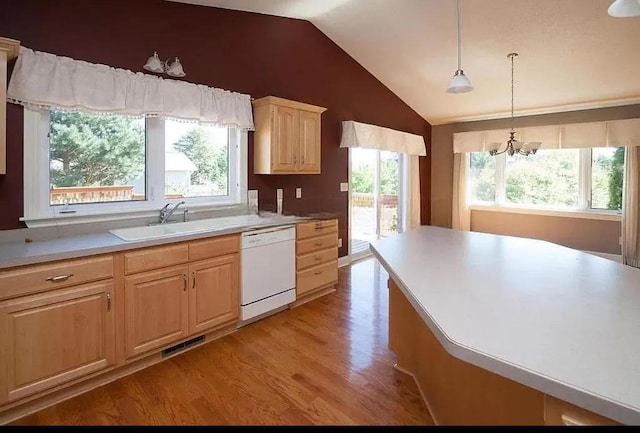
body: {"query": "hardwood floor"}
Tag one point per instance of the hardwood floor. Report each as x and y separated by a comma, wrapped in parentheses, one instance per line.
(325, 363)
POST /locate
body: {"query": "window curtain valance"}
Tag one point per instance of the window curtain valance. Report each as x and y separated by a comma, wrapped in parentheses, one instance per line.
(614, 133)
(356, 134)
(42, 81)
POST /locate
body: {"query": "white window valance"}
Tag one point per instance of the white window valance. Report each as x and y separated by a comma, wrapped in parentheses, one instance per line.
(356, 134)
(613, 133)
(42, 81)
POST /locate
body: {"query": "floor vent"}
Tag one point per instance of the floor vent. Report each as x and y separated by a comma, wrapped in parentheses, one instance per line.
(181, 346)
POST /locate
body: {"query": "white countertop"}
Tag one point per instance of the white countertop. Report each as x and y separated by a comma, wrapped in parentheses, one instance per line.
(26, 253)
(558, 320)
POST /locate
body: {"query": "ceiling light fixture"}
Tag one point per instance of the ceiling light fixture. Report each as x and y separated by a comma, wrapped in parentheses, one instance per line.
(514, 146)
(173, 69)
(625, 8)
(459, 83)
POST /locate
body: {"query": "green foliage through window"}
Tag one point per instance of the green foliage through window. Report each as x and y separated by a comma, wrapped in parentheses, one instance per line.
(94, 149)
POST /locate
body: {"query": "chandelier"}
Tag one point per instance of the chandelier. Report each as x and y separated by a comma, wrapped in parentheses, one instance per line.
(514, 146)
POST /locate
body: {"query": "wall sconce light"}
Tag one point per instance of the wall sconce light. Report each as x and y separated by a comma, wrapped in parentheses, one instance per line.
(173, 69)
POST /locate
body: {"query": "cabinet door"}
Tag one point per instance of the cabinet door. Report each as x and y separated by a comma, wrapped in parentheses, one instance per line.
(156, 309)
(54, 337)
(309, 147)
(284, 150)
(215, 285)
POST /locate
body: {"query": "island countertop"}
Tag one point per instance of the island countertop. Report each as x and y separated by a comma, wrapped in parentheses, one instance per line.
(558, 320)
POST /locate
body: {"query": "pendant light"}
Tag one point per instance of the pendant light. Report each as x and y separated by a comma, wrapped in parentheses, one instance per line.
(624, 8)
(459, 83)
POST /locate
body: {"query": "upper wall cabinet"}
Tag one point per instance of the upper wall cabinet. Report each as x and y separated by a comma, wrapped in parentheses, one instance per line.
(8, 51)
(287, 136)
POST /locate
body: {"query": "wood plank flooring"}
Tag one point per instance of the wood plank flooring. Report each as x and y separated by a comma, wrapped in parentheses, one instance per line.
(323, 363)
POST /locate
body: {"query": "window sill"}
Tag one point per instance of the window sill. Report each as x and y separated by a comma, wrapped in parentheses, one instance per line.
(604, 216)
(136, 216)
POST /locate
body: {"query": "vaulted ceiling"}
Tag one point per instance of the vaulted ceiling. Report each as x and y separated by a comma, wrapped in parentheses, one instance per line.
(572, 54)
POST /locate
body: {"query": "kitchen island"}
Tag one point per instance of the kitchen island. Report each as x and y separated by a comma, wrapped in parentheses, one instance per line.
(505, 330)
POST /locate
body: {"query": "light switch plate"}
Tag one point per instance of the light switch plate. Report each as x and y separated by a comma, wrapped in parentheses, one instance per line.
(298, 192)
(279, 193)
(344, 186)
(339, 242)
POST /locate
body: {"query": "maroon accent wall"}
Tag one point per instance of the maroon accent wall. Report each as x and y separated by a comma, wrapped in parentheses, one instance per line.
(244, 52)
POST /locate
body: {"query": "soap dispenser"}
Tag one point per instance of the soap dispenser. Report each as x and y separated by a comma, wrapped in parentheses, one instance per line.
(279, 200)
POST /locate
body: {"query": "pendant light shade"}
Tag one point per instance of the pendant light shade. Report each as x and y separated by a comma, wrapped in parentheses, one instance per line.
(459, 83)
(625, 8)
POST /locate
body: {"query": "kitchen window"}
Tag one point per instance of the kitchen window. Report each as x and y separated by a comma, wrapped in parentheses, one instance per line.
(586, 180)
(97, 165)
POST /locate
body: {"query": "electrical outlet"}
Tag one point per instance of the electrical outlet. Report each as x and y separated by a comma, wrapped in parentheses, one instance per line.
(298, 192)
(344, 186)
(339, 242)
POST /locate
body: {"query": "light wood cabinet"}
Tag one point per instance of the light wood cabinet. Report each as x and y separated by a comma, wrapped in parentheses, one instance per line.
(560, 413)
(156, 309)
(168, 304)
(52, 338)
(316, 256)
(213, 298)
(8, 51)
(287, 139)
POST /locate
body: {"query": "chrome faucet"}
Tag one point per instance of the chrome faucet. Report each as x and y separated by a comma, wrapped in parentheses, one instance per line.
(165, 212)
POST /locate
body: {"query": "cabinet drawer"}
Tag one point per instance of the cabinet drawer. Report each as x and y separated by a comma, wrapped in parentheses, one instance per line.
(316, 228)
(316, 244)
(316, 277)
(214, 247)
(316, 258)
(154, 258)
(49, 276)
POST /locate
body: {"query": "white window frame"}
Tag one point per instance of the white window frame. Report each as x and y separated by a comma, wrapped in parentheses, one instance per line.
(38, 211)
(583, 210)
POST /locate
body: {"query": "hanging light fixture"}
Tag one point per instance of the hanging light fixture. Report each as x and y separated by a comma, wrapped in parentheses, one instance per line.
(459, 83)
(514, 146)
(625, 8)
(173, 69)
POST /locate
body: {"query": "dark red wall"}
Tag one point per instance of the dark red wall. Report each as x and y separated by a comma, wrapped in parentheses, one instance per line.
(244, 52)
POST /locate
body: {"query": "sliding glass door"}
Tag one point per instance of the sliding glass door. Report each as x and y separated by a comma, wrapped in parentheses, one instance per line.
(376, 197)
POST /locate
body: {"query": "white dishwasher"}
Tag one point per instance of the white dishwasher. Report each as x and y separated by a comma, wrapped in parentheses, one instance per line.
(268, 269)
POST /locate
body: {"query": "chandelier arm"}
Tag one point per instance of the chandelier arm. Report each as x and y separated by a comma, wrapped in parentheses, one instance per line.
(495, 153)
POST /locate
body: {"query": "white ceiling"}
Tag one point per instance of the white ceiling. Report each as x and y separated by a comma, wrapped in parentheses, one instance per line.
(572, 54)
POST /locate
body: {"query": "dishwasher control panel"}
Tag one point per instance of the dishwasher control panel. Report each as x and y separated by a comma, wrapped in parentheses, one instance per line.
(255, 238)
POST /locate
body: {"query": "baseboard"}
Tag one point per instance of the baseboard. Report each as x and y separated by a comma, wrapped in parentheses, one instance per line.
(324, 290)
(426, 402)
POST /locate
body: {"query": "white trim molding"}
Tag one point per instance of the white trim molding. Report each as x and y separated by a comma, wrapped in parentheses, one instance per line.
(593, 215)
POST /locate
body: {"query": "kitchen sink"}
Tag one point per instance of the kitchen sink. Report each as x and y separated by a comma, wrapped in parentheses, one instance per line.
(160, 231)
